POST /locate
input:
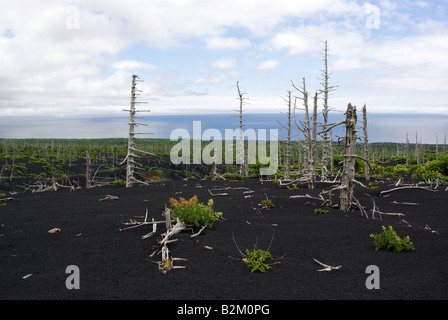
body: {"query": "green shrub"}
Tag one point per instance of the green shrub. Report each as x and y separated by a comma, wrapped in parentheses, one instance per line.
(320, 211)
(276, 182)
(400, 169)
(373, 185)
(118, 182)
(234, 176)
(194, 212)
(267, 204)
(255, 260)
(389, 239)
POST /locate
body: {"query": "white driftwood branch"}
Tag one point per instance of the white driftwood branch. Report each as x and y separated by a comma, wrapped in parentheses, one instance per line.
(109, 197)
(326, 266)
(218, 194)
(407, 187)
(198, 233)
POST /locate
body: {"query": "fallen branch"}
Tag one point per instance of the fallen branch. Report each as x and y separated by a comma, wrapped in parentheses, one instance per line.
(218, 194)
(326, 266)
(198, 233)
(407, 187)
(406, 203)
(109, 197)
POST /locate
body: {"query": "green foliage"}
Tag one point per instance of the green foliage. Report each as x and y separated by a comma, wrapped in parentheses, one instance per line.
(276, 182)
(373, 185)
(118, 182)
(267, 204)
(293, 187)
(320, 211)
(255, 260)
(194, 212)
(400, 169)
(232, 176)
(389, 239)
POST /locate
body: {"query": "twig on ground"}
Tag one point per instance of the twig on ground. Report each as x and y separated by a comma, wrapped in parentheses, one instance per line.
(326, 266)
(109, 197)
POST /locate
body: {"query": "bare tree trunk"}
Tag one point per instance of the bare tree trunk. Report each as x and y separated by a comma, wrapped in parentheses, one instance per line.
(348, 173)
(213, 171)
(326, 91)
(131, 156)
(366, 143)
(313, 153)
(308, 137)
(288, 139)
(331, 153)
(88, 172)
(416, 148)
(241, 156)
(131, 144)
(437, 147)
(407, 149)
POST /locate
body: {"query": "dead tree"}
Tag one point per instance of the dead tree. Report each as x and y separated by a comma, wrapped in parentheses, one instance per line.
(407, 149)
(241, 154)
(348, 172)
(326, 91)
(366, 143)
(416, 148)
(309, 136)
(132, 164)
(88, 174)
(288, 139)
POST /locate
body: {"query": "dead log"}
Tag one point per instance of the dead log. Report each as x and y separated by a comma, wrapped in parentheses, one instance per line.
(348, 173)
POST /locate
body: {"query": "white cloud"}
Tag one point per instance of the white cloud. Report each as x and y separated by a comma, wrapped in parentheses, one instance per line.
(133, 65)
(49, 68)
(267, 65)
(220, 43)
(223, 63)
(216, 79)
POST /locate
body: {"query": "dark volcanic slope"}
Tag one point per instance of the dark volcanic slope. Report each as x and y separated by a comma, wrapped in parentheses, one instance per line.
(115, 265)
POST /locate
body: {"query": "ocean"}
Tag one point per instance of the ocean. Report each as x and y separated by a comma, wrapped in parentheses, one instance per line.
(381, 127)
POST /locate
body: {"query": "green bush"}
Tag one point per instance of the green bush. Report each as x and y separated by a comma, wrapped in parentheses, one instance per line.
(194, 212)
(118, 182)
(400, 169)
(234, 176)
(373, 185)
(389, 239)
(320, 211)
(267, 204)
(255, 260)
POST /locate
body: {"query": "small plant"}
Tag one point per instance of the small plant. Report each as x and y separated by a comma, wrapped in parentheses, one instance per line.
(293, 187)
(276, 182)
(118, 182)
(232, 176)
(267, 204)
(373, 185)
(255, 260)
(320, 211)
(389, 239)
(194, 212)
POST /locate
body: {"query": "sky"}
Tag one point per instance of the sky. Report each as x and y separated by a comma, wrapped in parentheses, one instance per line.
(73, 60)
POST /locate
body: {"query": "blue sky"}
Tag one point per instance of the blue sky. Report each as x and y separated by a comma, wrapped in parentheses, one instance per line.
(74, 59)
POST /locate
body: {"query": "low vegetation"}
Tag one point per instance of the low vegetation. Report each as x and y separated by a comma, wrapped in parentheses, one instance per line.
(194, 212)
(388, 239)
